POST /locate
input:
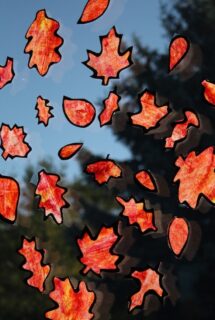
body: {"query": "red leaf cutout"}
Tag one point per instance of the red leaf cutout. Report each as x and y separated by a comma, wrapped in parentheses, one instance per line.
(109, 62)
(44, 111)
(69, 150)
(9, 198)
(79, 112)
(12, 142)
(96, 252)
(51, 194)
(43, 43)
(72, 304)
(104, 170)
(6, 73)
(178, 235)
(110, 106)
(34, 264)
(145, 179)
(180, 130)
(196, 176)
(150, 113)
(150, 281)
(137, 214)
(179, 47)
(209, 92)
(93, 10)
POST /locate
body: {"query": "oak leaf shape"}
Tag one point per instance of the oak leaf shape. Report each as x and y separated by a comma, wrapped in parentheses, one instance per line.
(6, 73)
(72, 304)
(109, 62)
(43, 111)
(96, 253)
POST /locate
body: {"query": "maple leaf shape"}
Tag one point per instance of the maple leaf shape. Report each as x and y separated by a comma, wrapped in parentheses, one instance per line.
(137, 214)
(179, 47)
(150, 281)
(209, 92)
(178, 235)
(72, 304)
(79, 112)
(51, 194)
(9, 198)
(103, 170)
(96, 252)
(6, 73)
(196, 176)
(150, 113)
(93, 10)
(180, 130)
(44, 111)
(43, 43)
(69, 150)
(12, 142)
(110, 106)
(34, 264)
(109, 62)
(146, 180)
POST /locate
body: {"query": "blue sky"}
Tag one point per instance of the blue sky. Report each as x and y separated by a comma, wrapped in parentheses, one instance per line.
(69, 77)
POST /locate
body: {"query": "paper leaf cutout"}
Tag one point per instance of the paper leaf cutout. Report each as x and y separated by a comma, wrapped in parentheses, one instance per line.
(79, 112)
(43, 43)
(150, 281)
(196, 176)
(209, 92)
(12, 142)
(69, 150)
(150, 114)
(93, 10)
(104, 170)
(177, 51)
(146, 180)
(110, 106)
(109, 62)
(34, 264)
(6, 73)
(137, 214)
(9, 198)
(180, 130)
(96, 252)
(44, 111)
(51, 195)
(72, 304)
(178, 235)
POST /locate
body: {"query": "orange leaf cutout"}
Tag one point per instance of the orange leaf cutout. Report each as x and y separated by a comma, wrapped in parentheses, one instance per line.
(179, 47)
(137, 214)
(96, 252)
(180, 130)
(196, 176)
(9, 198)
(69, 150)
(104, 170)
(178, 235)
(150, 281)
(79, 112)
(12, 142)
(109, 62)
(93, 10)
(6, 73)
(110, 106)
(44, 111)
(34, 264)
(51, 194)
(146, 180)
(72, 304)
(150, 113)
(43, 43)
(209, 92)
